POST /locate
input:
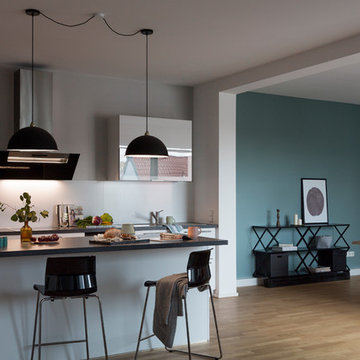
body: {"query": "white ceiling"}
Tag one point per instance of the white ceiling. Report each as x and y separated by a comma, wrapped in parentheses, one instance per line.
(341, 84)
(194, 41)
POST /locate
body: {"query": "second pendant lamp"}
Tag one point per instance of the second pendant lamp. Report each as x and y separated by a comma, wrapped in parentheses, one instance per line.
(147, 145)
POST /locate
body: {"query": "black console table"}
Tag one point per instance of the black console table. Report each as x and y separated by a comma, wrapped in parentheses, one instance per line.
(272, 265)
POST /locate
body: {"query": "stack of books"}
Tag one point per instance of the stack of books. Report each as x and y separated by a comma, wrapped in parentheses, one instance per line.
(319, 269)
(284, 247)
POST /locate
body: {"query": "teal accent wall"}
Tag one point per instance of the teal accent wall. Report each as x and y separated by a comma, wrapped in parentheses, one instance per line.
(280, 140)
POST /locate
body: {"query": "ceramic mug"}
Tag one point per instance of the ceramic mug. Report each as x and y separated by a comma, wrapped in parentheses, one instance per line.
(170, 220)
(193, 232)
(127, 229)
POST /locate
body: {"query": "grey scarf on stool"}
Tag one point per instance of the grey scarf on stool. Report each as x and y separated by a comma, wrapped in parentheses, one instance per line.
(168, 306)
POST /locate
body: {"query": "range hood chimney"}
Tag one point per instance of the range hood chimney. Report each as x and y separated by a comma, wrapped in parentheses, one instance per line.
(20, 162)
(43, 90)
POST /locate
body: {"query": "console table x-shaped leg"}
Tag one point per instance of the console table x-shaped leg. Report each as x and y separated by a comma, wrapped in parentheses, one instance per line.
(263, 233)
(314, 230)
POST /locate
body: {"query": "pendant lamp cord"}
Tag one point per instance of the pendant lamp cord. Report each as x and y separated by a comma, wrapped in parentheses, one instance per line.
(146, 32)
(118, 33)
(32, 71)
(147, 85)
(87, 20)
(67, 25)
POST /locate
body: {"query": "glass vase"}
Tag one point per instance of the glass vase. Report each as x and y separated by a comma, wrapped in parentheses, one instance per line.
(25, 233)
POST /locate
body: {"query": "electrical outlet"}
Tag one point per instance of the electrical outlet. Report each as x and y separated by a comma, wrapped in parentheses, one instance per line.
(350, 254)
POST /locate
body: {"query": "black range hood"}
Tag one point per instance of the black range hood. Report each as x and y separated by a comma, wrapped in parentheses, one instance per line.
(32, 151)
(37, 165)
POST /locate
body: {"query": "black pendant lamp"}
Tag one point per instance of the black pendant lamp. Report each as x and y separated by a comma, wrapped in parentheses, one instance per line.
(147, 145)
(32, 138)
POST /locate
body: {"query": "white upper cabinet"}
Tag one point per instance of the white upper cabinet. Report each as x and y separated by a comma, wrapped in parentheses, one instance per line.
(175, 134)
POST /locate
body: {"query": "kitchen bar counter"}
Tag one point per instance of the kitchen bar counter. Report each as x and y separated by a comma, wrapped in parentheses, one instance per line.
(74, 245)
(120, 273)
(93, 229)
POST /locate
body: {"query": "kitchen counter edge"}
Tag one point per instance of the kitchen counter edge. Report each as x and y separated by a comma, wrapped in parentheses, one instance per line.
(75, 245)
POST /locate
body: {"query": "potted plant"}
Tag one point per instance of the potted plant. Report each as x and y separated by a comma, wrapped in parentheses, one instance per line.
(24, 215)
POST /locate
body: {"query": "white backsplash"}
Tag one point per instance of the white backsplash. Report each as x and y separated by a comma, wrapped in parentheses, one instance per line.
(127, 202)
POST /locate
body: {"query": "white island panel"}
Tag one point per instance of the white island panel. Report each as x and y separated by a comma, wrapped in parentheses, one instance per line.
(120, 277)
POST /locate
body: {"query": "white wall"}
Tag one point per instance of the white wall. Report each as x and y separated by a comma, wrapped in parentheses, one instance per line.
(81, 106)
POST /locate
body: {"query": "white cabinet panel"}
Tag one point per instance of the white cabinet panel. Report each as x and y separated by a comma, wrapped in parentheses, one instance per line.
(175, 134)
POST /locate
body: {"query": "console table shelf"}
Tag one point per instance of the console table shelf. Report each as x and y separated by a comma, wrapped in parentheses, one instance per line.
(299, 249)
(272, 265)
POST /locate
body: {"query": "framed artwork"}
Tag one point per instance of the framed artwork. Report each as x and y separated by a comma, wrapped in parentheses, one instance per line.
(314, 201)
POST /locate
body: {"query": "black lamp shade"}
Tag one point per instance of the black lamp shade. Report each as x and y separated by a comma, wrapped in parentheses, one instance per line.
(32, 138)
(146, 146)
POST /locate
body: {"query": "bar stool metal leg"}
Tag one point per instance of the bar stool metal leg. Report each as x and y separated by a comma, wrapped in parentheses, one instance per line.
(187, 334)
(102, 326)
(215, 322)
(86, 330)
(40, 325)
(35, 326)
(187, 327)
(142, 324)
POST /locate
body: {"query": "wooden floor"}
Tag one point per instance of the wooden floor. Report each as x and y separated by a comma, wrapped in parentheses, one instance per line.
(315, 321)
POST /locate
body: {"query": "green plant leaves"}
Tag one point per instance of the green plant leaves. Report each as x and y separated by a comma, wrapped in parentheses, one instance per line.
(25, 213)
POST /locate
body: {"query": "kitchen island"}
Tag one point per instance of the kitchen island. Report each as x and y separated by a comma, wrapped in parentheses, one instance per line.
(121, 272)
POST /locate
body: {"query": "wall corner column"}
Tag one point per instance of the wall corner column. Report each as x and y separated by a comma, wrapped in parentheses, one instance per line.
(226, 255)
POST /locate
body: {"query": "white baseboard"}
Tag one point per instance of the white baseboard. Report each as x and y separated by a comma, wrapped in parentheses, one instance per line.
(224, 295)
(248, 282)
(354, 272)
(259, 281)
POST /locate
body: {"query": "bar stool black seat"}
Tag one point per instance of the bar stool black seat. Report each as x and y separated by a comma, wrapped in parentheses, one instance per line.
(198, 273)
(67, 277)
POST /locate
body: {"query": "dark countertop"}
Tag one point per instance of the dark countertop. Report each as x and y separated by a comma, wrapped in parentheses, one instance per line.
(93, 229)
(74, 245)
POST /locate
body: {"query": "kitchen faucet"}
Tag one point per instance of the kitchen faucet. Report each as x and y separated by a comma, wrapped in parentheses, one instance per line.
(155, 215)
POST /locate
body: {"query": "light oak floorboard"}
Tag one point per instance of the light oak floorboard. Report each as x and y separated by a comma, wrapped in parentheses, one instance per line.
(304, 322)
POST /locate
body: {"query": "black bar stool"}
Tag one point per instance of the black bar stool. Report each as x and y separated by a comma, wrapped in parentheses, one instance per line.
(198, 273)
(67, 277)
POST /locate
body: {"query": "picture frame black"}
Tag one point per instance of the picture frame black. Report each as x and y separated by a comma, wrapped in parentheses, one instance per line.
(314, 201)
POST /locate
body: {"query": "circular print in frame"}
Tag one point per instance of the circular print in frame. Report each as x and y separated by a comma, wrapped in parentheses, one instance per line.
(315, 201)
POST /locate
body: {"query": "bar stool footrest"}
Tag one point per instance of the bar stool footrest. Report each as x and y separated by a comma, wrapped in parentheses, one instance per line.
(195, 354)
(147, 337)
(61, 342)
